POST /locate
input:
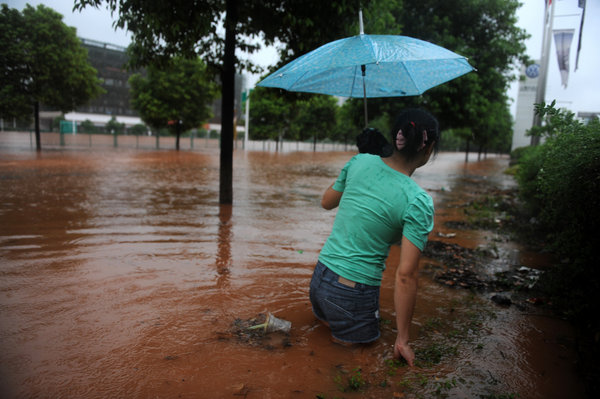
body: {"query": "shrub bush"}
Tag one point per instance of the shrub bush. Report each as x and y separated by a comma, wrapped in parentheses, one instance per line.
(560, 183)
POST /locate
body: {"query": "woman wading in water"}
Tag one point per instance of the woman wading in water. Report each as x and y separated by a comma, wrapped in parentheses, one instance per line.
(379, 205)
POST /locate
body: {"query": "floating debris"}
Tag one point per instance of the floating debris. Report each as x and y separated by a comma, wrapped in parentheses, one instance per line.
(264, 330)
(446, 235)
(460, 277)
(273, 324)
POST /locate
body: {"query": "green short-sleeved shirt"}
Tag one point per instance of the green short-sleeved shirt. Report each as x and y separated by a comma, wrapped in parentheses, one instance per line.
(378, 206)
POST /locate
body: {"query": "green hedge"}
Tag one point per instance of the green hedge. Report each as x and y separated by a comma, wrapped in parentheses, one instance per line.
(560, 182)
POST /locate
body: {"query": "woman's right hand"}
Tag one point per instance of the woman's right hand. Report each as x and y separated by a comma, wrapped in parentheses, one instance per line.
(403, 349)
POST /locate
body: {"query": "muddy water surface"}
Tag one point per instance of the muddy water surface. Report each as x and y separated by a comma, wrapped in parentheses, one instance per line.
(121, 276)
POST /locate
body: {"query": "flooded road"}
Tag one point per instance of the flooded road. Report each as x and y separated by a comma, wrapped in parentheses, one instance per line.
(122, 276)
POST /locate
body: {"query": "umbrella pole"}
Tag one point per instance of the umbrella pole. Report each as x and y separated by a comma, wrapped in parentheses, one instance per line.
(363, 69)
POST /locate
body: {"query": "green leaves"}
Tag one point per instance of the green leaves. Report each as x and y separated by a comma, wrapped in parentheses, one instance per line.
(180, 90)
(291, 116)
(555, 121)
(43, 62)
(560, 181)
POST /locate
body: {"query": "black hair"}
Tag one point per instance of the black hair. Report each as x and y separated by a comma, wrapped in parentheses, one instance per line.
(372, 141)
(413, 122)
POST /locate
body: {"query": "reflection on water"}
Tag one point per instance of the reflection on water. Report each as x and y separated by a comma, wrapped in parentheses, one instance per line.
(121, 275)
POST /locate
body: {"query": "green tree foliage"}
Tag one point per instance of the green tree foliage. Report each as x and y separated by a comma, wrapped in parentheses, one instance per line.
(316, 118)
(305, 25)
(269, 114)
(455, 139)
(114, 127)
(560, 181)
(345, 131)
(139, 129)
(274, 116)
(177, 95)
(555, 121)
(14, 101)
(42, 61)
(87, 126)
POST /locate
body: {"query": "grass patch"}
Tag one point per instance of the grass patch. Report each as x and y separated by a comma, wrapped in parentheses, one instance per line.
(433, 354)
(350, 382)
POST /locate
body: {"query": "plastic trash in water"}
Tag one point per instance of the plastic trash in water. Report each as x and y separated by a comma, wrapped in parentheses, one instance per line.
(273, 324)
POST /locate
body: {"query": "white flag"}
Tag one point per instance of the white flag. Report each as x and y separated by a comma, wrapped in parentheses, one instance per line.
(562, 40)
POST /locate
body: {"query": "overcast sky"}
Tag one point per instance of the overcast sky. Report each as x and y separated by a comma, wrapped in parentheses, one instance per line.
(581, 93)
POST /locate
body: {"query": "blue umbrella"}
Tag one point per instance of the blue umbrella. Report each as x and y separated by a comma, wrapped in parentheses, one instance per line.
(370, 66)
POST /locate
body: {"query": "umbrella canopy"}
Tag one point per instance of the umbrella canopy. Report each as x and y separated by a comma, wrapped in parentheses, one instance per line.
(393, 66)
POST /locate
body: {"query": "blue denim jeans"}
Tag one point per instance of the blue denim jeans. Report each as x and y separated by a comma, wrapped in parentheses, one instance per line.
(352, 312)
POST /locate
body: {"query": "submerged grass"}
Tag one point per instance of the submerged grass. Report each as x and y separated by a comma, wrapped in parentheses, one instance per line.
(350, 382)
(440, 341)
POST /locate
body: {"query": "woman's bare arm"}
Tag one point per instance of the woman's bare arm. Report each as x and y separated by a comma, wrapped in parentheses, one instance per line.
(331, 198)
(405, 295)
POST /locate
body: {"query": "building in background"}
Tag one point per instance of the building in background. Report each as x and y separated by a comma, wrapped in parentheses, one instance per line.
(109, 60)
(587, 117)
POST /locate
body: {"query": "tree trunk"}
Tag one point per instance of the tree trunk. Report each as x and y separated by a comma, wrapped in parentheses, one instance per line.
(227, 105)
(177, 136)
(467, 151)
(314, 143)
(38, 139)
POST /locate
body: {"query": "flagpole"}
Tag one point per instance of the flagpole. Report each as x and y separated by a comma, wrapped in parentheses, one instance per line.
(541, 87)
(581, 5)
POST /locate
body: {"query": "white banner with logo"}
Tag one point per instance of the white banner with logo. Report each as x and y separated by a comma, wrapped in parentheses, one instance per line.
(562, 40)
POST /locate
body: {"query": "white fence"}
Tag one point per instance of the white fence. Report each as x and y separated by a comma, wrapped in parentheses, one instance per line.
(26, 140)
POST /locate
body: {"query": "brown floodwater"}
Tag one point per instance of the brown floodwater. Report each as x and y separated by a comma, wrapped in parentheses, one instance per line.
(121, 276)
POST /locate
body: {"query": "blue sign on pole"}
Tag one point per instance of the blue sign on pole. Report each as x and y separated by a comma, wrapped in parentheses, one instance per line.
(532, 71)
